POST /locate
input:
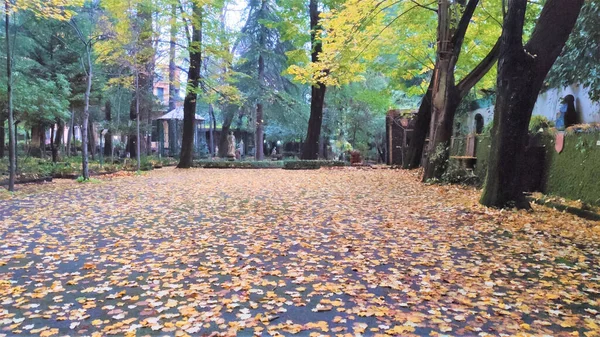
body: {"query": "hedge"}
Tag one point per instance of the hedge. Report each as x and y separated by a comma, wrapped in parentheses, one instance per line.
(571, 174)
(222, 164)
(312, 164)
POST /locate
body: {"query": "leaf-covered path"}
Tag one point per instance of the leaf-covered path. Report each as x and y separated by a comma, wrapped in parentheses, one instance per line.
(273, 252)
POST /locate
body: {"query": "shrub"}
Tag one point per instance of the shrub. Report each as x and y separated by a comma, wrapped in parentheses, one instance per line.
(538, 122)
(311, 164)
(238, 164)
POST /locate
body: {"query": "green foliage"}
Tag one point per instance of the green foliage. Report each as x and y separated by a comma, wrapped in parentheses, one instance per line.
(82, 180)
(580, 59)
(538, 122)
(312, 164)
(456, 174)
(221, 164)
(572, 173)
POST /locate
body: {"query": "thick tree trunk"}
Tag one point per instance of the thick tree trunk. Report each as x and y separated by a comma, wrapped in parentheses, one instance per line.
(445, 101)
(521, 73)
(310, 150)
(445, 96)
(189, 104)
(108, 135)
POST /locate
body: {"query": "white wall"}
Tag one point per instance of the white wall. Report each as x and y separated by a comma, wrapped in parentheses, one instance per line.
(546, 105)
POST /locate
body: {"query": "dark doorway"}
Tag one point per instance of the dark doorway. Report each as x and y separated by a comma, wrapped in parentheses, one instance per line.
(478, 124)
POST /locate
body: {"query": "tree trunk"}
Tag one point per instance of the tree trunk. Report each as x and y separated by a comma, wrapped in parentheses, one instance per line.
(189, 104)
(86, 116)
(12, 146)
(310, 150)
(259, 154)
(52, 148)
(2, 136)
(92, 141)
(445, 95)
(57, 140)
(108, 136)
(173, 92)
(42, 134)
(70, 134)
(445, 101)
(521, 73)
(228, 115)
(212, 126)
(417, 140)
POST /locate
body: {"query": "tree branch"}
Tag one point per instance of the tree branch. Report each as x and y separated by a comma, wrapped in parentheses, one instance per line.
(552, 30)
(479, 71)
(424, 6)
(461, 30)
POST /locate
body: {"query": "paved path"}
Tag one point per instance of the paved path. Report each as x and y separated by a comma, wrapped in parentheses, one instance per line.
(274, 252)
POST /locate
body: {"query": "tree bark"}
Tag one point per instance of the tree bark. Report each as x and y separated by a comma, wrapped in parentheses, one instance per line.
(310, 149)
(445, 96)
(12, 146)
(70, 134)
(228, 115)
(259, 153)
(2, 135)
(212, 125)
(108, 135)
(86, 116)
(417, 141)
(521, 73)
(42, 134)
(173, 92)
(92, 141)
(57, 140)
(189, 104)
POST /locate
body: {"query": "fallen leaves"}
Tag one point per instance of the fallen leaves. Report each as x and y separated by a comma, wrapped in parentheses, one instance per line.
(310, 253)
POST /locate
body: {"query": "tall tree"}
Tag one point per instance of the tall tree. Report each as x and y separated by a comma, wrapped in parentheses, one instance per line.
(43, 9)
(522, 69)
(317, 98)
(173, 92)
(11, 135)
(446, 95)
(108, 136)
(191, 96)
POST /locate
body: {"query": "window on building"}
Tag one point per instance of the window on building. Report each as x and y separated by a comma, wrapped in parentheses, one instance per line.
(160, 93)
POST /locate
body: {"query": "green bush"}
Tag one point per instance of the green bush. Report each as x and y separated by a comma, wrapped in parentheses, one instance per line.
(312, 164)
(238, 164)
(538, 122)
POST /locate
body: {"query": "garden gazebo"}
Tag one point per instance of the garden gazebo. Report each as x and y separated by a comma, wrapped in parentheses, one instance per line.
(169, 128)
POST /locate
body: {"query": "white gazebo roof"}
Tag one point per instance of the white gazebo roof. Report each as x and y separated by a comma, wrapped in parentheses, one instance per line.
(177, 114)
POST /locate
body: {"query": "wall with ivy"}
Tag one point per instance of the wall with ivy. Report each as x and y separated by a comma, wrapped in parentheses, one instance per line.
(574, 173)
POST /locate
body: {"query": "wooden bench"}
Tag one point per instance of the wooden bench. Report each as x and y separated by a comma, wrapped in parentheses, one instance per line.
(466, 162)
